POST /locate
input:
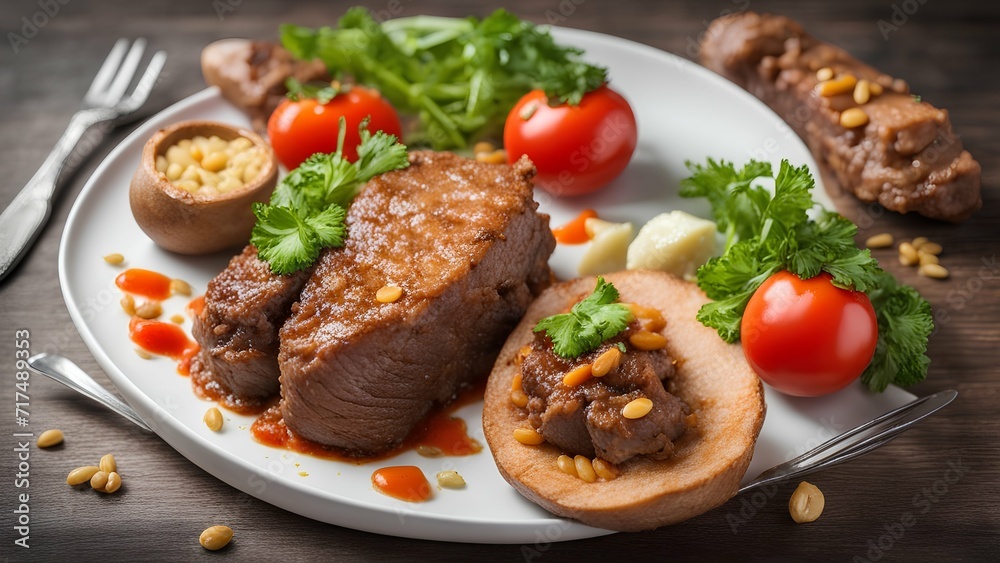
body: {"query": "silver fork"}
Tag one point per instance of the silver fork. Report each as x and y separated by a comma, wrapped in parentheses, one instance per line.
(105, 102)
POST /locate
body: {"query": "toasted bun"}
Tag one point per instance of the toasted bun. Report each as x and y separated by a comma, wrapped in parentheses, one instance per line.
(713, 378)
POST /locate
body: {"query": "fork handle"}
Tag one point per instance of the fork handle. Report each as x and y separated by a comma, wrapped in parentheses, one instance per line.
(24, 218)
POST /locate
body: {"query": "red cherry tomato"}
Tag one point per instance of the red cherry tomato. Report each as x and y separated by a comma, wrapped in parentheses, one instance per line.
(576, 149)
(300, 128)
(808, 337)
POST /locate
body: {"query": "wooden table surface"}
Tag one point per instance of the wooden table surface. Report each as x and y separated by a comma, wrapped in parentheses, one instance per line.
(944, 473)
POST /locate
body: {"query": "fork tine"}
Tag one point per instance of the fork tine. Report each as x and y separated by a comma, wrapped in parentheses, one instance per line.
(108, 69)
(125, 73)
(145, 84)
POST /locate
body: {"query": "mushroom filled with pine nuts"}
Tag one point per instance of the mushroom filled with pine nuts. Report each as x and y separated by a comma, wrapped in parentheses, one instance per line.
(196, 183)
(648, 425)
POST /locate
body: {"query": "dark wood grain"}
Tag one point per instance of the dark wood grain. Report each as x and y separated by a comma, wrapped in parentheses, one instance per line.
(950, 53)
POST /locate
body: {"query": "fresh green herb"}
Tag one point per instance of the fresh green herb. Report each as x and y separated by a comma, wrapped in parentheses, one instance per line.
(323, 93)
(769, 231)
(307, 210)
(461, 76)
(589, 323)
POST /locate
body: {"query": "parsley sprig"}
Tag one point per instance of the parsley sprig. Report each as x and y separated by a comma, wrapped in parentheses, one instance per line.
(769, 231)
(461, 76)
(307, 211)
(589, 323)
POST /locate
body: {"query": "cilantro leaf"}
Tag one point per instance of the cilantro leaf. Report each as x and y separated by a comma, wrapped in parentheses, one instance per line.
(461, 77)
(770, 230)
(307, 213)
(589, 323)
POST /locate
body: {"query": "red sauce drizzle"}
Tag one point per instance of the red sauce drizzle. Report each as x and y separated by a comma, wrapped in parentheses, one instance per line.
(196, 306)
(404, 482)
(439, 430)
(147, 283)
(574, 232)
(164, 339)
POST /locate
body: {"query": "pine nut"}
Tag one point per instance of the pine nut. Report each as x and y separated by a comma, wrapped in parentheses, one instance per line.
(114, 483)
(81, 475)
(483, 146)
(604, 469)
(143, 354)
(928, 258)
(108, 463)
(936, 271)
(128, 305)
(114, 258)
(931, 248)
(450, 480)
(50, 438)
(566, 465)
(149, 310)
(862, 92)
(806, 504)
(528, 436)
(646, 341)
(519, 398)
(388, 294)
(429, 451)
(515, 384)
(177, 319)
(919, 242)
(213, 419)
(584, 468)
(853, 117)
(824, 74)
(498, 156)
(883, 240)
(637, 408)
(99, 481)
(650, 318)
(833, 87)
(216, 537)
(875, 88)
(606, 362)
(577, 375)
(180, 287)
(907, 254)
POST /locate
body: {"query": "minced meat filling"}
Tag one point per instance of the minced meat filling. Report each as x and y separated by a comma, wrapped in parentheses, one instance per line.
(587, 419)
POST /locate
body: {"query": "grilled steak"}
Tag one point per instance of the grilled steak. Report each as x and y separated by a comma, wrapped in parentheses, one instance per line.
(238, 327)
(464, 242)
(906, 156)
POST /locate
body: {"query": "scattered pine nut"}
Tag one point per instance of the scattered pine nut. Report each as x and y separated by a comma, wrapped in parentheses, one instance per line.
(824, 74)
(931, 248)
(566, 465)
(483, 146)
(128, 305)
(606, 362)
(108, 463)
(883, 240)
(862, 92)
(180, 287)
(519, 398)
(216, 537)
(585, 468)
(928, 258)
(143, 354)
(833, 87)
(213, 419)
(577, 375)
(81, 475)
(99, 481)
(50, 438)
(450, 480)
(936, 271)
(114, 482)
(429, 451)
(149, 310)
(604, 469)
(907, 254)
(806, 503)
(918, 242)
(853, 117)
(528, 436)
(498, 156)
(388, 294)
(637, 408)
(646, 340)
(115, 259)
(177, 319)
(515, 384)
(875, 88)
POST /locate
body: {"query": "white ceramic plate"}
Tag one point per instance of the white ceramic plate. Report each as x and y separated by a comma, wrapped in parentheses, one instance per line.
(684, 112)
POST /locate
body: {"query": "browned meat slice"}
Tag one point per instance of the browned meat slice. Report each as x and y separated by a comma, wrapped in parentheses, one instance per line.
(905, 156)
(464, 242)
(587, 419)
(238, 327)
(252, 74)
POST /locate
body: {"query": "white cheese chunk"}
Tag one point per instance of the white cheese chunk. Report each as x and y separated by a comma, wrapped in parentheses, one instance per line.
(675, 242)
(608, 247)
